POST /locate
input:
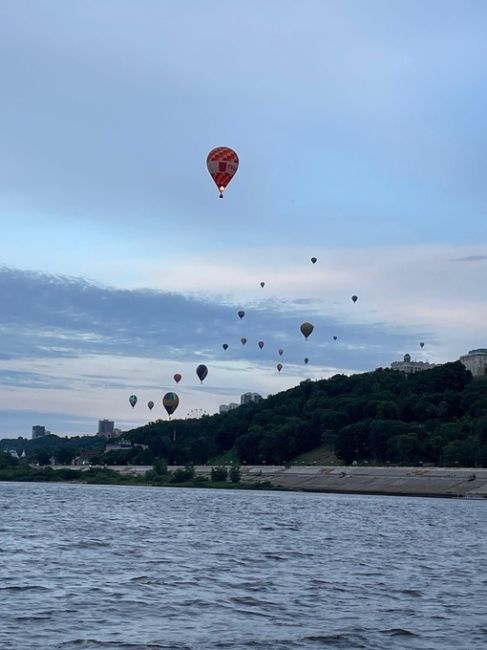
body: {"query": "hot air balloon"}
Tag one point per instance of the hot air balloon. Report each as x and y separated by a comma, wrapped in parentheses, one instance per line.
(177, 378)
(241, 313)
(170, 402)
(306, 329)
(225, 346)
(335, 338)
(354, 298)
(314, 260)
(222, 164)
(279, 367)
(281, 352)
(201, 371)
(260, 344)
(133, 400)
(243, 341)
(421, 345)
(150, 405)
(262, 284)
(306, 360)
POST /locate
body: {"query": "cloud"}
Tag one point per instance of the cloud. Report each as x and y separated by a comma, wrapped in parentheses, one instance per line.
(471, 258)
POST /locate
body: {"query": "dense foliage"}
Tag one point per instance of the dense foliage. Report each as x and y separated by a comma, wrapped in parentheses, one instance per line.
(438, 416)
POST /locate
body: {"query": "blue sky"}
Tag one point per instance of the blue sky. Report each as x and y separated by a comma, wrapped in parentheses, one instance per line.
(360, 128)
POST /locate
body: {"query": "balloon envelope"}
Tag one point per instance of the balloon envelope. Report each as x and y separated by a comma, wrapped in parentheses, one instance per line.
(133, 400)
(201, 371)
(260, 344)
(150, 405)
(421, 344)
(243, 341)
(335, 338)
(241, 313)
(354, 298)
(281, 352)
(225, 346)
(177, 378)
(279, 367)
(306, 329)
(262, 284)
(306, 360)
(314, 260)
(170, 402)
(222, 163)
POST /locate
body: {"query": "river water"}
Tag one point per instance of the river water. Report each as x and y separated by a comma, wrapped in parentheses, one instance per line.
(148, 568)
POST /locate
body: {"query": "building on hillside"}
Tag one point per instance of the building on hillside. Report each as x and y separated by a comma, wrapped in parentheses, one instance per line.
(224, 408)
(117, 446)
(476, 362)
(246, 398)
(39, 431)
(105, 428)
(409, 367)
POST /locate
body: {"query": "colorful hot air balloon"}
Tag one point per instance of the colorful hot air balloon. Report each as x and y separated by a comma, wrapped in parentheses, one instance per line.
(279, 367)
(354, 298)
(243, 341)
(222, 164)
(262, 284)
(150, 405)
(225, 346)
(201, 371)
(177, 378)
(314, 260)
(133, 400)
(170, 402)
(306, 329)
(306, 360)
(241, 313)
(421, 345)
(335, 338)
(260, 344)
(281, 352)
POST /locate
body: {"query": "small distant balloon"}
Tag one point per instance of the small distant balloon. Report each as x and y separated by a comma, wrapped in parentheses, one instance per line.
(281, 352)
(243, 341)
(279, 367)
(314, 260)
(133, 400)
(262, 284)
(335, 338)
(150, 405)
(306, 329)
(421, 344)
(222, 163)
(306, 360)
(354, 298)
(260, 344)
(201, 371)
(170, 402)
(225, 346)
(177, 377)
(241, 313)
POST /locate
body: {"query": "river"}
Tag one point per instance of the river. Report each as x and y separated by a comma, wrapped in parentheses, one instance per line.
(88, 567)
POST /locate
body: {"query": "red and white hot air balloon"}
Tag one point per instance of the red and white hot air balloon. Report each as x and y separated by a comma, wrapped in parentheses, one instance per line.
(222, 163)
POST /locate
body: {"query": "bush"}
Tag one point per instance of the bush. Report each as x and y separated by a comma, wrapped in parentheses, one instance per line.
(219, 474)
(183, 475)
(235, 474)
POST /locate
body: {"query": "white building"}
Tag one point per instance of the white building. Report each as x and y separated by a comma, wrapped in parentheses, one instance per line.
(246, 398)
(476, 362)
(409, 367)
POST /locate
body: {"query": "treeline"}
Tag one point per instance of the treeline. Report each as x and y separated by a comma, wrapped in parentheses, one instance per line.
(438, 416)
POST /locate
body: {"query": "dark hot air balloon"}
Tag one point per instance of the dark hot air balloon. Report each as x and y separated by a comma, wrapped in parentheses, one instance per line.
(133, 400)
(335, 338)
(306, 360)
(260, 344)
(262, 284)
(170, 402)
(243, 341)
(225, 346)
(150, 405)
(241, 313)
(314, 260)
(222, 164)
(201, 371)
(279, 367)
(421, 344)
(177, 378)
(306, 329)
(354, 298)
(281, 352)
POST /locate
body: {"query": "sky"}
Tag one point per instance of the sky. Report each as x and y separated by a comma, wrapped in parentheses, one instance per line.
(360, 129)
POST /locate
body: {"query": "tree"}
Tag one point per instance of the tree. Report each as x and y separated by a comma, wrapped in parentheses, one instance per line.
(63, 456)
(235, 474)
(219, 474)
(43, 457)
